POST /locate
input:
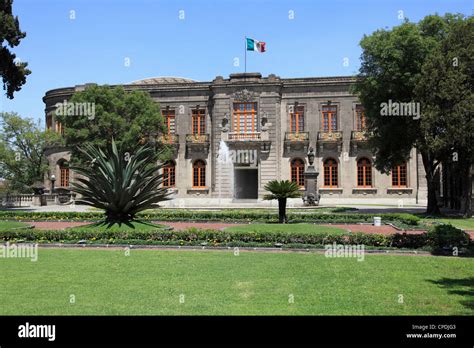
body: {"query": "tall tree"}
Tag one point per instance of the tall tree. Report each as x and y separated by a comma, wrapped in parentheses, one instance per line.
(99, 114)
(391, 68)
(12, 71)
(445, 90)
(22, 151)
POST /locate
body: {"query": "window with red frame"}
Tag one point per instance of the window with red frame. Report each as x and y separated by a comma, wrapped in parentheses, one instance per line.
(399, 176)
(245, 118)
(64, 176)
(297, 171)
(360, 118)
(169, 174)
(330, 173)
(199, 174)
(170, 120)
(329, 118)
(364, 173)
(297, 119)
(199, 121)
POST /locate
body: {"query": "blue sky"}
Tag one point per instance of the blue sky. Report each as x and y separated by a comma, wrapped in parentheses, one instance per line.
(95, 45)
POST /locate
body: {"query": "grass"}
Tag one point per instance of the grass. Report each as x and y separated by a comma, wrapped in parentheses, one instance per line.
(150, 282)
(8, 225)
(129, 226)
(462, 223)
(287, 228)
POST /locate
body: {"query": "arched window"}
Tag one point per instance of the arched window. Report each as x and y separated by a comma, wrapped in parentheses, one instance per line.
(63, 173)
(297, 170)
(199, 174)
(364, 173)
(330, 173)
(399, 176)
(169, 174)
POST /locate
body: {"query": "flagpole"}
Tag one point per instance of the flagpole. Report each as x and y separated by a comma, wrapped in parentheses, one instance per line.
(245, 48)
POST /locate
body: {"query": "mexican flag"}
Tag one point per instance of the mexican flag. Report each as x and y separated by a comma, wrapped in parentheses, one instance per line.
(254, 45)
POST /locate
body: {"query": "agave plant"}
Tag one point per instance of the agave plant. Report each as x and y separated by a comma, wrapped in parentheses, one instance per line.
(122, 184)
(282, 190)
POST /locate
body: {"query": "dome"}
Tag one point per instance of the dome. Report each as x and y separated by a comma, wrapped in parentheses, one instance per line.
(161, 80)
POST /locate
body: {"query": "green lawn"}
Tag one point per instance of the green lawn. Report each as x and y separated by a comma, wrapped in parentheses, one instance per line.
(287, 228)
(218, 282)
(465, 224)
(7, 225)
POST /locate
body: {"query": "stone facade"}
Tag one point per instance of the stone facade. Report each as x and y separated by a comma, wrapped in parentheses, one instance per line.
(268, 132)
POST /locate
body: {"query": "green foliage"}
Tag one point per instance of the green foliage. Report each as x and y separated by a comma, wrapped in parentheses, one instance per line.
(119, 182)
(445, 90)
(22, 151)
(225, 216)
(209, 237)
(13, 72)
(443, 238)
(282, 189)
(131, 118)
(413, 63)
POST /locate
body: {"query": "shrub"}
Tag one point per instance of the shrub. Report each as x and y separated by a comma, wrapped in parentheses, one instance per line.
(224, 215)
(194, 236)
(444, 238)
(412, 241)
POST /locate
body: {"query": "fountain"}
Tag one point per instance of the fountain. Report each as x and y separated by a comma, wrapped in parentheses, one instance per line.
(225, 169)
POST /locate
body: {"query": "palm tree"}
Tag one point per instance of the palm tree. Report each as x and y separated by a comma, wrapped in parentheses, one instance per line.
(122, 184)
(282, 190)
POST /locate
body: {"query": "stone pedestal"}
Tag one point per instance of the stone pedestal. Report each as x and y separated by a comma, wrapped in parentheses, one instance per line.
(311, 196)
(39, 200)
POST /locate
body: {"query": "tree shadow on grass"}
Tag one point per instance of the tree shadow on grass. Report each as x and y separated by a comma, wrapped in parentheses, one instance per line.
(463, 287)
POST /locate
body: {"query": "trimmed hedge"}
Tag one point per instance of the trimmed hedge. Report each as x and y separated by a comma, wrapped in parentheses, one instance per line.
(210, 237)
(445, 238)
(234, 216)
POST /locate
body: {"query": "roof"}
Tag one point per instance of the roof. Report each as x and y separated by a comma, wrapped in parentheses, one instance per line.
(161, 80)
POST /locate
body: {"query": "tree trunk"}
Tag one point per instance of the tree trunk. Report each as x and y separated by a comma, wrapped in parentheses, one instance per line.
(282, 211)
(430, 169)
(466, 190)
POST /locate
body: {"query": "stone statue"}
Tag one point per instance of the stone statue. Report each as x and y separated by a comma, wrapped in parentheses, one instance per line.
(225, 123)
(311, 156)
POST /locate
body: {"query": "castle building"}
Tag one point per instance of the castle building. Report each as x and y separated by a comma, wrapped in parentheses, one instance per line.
(232, 136)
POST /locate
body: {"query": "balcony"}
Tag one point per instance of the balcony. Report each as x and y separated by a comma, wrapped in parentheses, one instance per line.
(170, 139)
(197, 143)
(358, 138)
(250, 139)
(253, 136)
(296, 141)
(330, 140)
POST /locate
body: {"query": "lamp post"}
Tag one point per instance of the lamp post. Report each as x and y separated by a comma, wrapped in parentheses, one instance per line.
(53, 179)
